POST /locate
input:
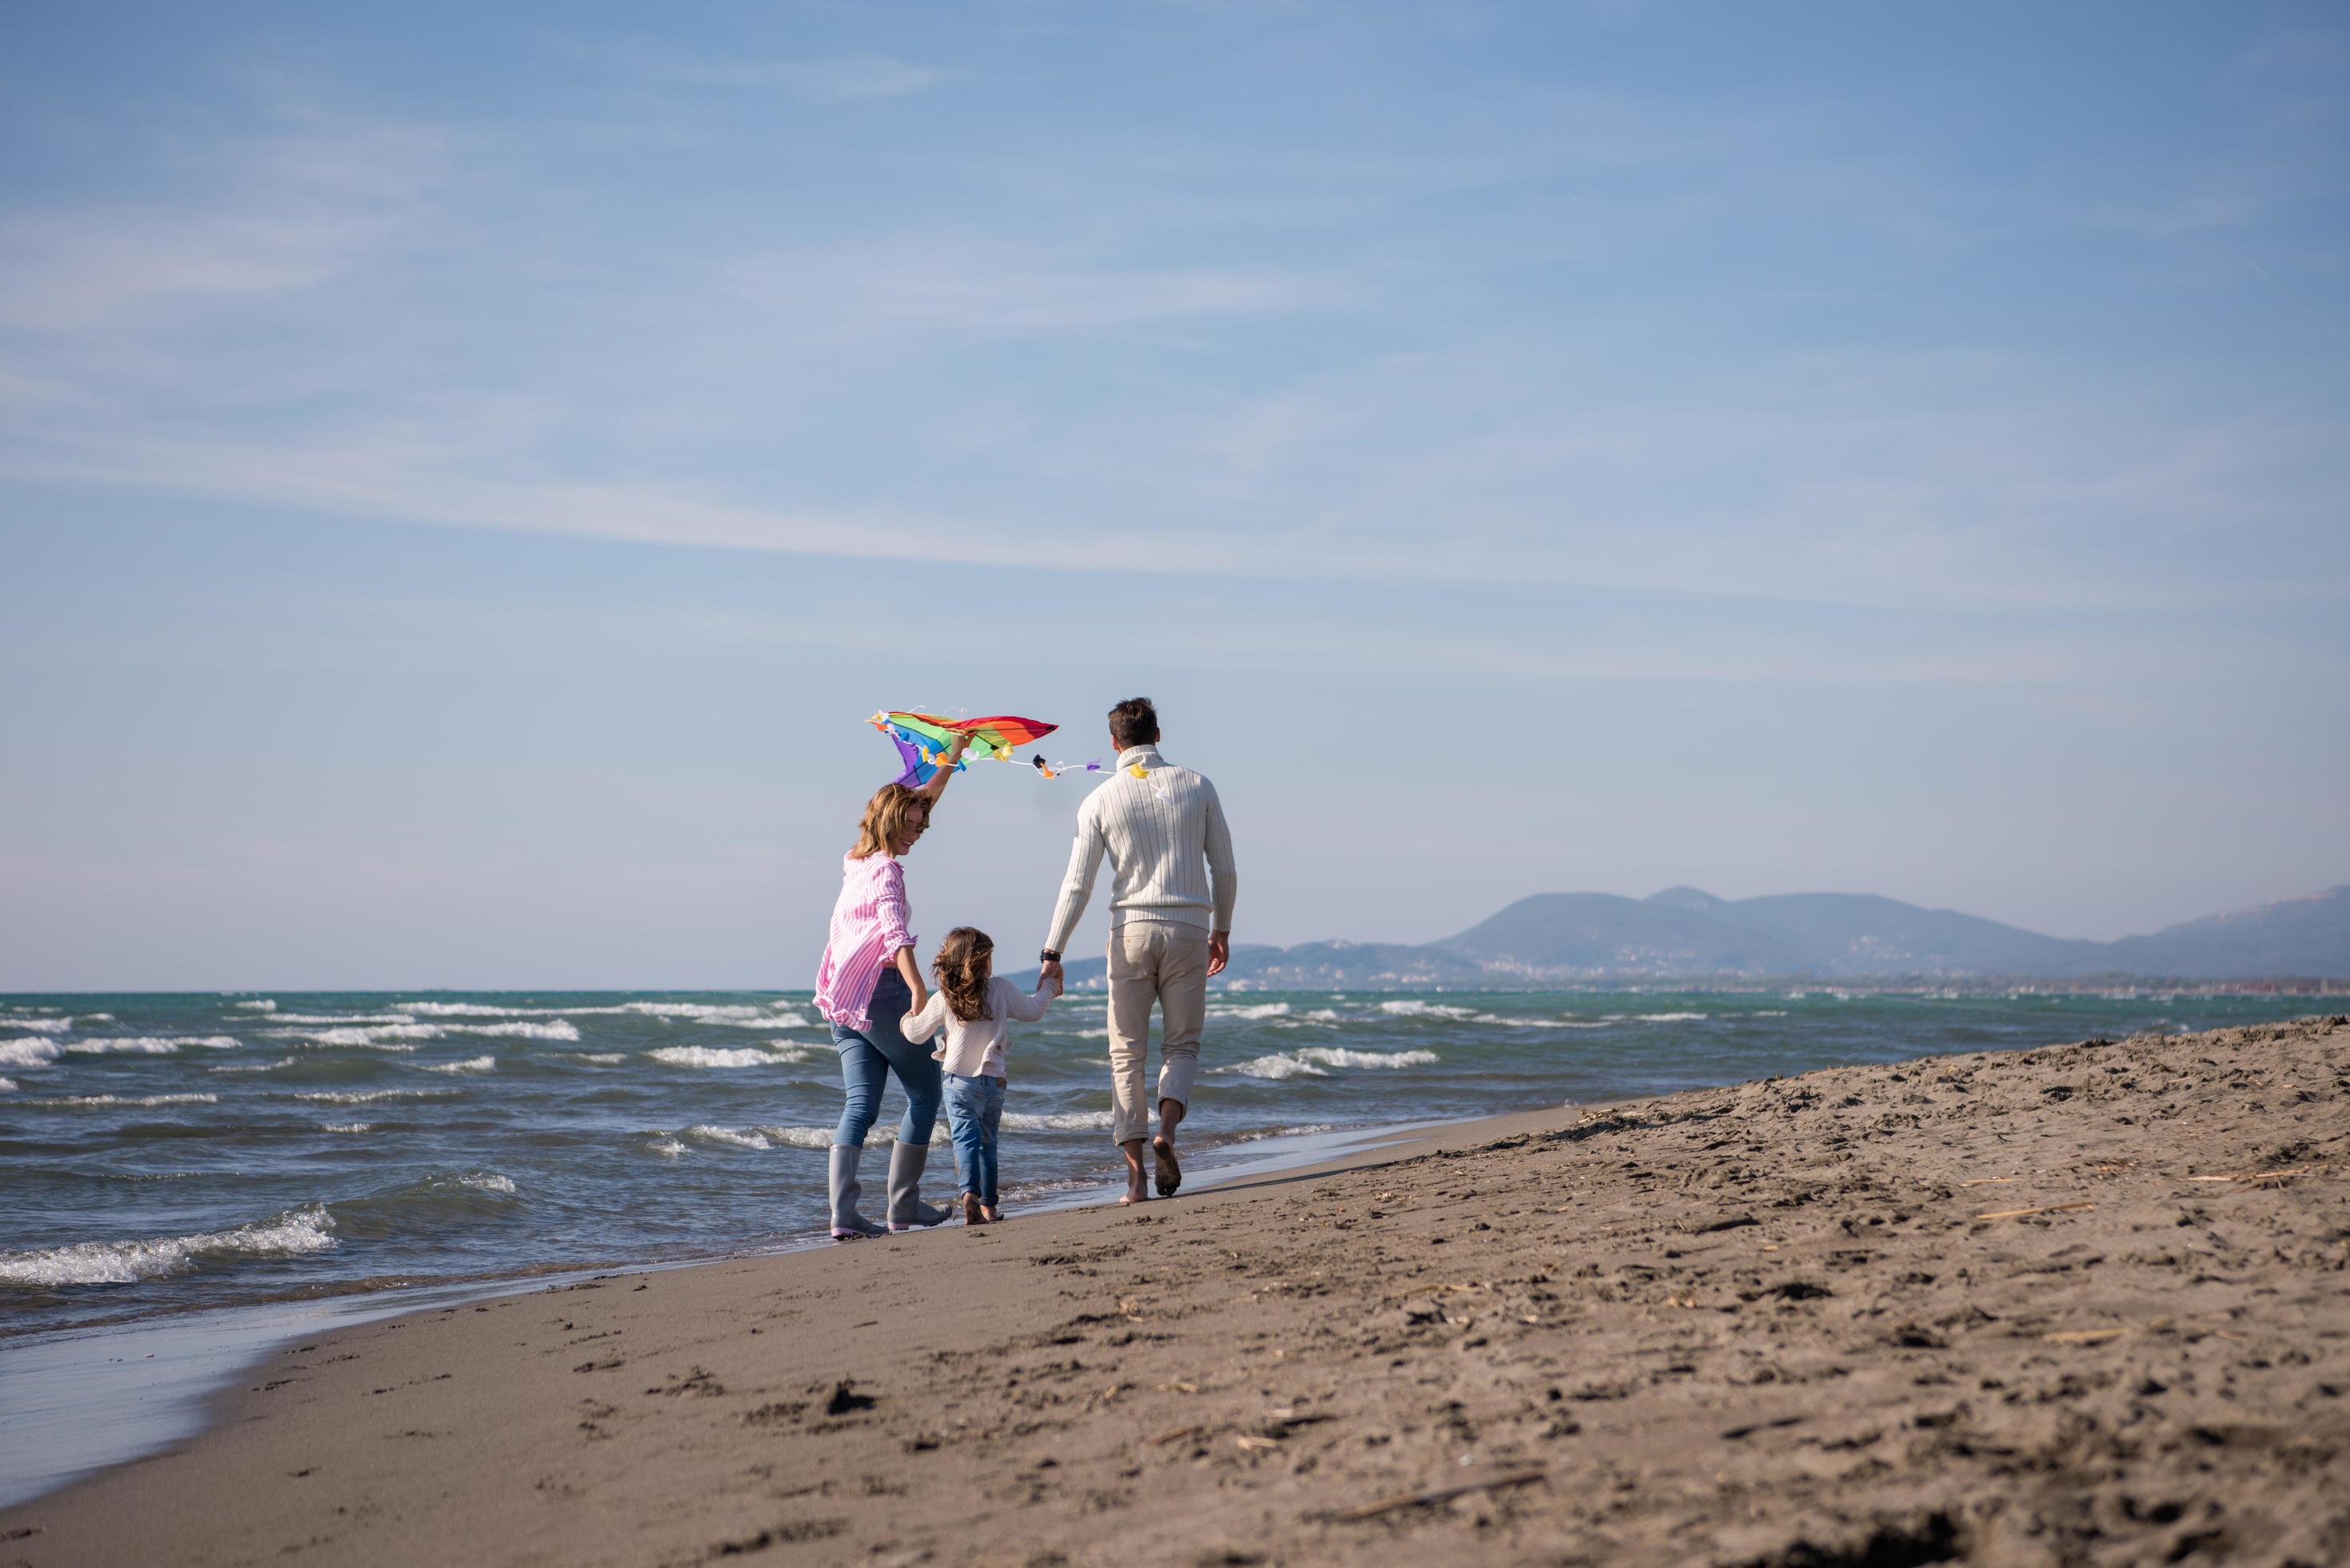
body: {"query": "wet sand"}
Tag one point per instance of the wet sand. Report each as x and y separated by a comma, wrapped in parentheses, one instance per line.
(2084, 1304)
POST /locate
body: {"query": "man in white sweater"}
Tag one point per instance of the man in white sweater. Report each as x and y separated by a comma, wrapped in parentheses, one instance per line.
(1171, 927)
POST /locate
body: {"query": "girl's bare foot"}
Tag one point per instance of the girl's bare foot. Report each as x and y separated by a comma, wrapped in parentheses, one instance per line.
(972, 1214)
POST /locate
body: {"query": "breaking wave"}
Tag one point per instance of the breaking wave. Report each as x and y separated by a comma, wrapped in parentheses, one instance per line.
(372, 1096)
(309, 1229)
(27, 1053)
(154, 1045)
(1057, 1121)
(473, 1065)
(734, 1138)
(725, 1057)
(128, 1100)
(560, 1029)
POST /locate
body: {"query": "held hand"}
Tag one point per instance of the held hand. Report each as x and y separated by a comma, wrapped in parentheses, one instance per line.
(1051, 971)
(1220, 951)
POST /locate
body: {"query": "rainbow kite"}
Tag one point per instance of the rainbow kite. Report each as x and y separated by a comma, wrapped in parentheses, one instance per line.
(922, 740)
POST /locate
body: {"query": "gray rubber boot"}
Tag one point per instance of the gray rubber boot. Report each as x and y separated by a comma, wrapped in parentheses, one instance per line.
(847, 1224)
(907, 1209)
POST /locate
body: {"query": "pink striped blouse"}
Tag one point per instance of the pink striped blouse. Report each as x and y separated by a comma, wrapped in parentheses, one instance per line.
(868, 927)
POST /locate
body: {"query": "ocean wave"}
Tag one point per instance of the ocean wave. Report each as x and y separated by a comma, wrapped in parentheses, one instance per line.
(1670, 1017)
(1340, 1056)
(30, 1051)
(8, 1085)
(1276, 1066)
(667, 1147)
(1260, 1010)
(1412, 1007)
(292, 1234)
(473, 1065)
(154, 1045)
(262, 1004)
(733, 1137)
(378, 1037)
(436, 1203)
(488, 1181)
(371, 1097)
(127, 1100)
(723, 1056)
(342, 1018)
(821, 1137)
(728, 1014)
(1307, 1129)
(346, 1126)
(560, 1029)
(42, 1025)
(253, 1066)
(601, 1058)
(484, 1010)
(1057, 1121)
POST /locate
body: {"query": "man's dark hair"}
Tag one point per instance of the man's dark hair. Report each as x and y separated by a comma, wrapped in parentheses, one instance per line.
(1134, 723)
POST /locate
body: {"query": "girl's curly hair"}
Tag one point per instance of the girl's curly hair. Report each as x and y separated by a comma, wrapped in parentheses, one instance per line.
(962, 965)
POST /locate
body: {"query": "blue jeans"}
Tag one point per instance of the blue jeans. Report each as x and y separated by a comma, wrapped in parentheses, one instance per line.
(869, 1056)
(974, 1107)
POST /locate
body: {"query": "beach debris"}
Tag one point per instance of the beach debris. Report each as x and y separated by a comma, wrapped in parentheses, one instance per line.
(1175, 1436)
(845, 1398)
(2084, 1335)
(2025, 1213)
(1435, 1495)
(1696, 1227)
(1179, 1388)
(1747, 1431)
(2259, 1176)
(1249, 1443)
(1990, 1180)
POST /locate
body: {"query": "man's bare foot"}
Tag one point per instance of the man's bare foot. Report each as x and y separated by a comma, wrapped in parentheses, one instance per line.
(972, 1214)
(1135, 1191)
(1164, 1170)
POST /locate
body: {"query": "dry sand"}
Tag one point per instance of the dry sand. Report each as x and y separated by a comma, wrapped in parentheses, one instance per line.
(2084, 1304)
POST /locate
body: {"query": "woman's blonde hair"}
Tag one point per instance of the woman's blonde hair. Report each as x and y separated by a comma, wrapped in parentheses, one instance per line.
(884, 818)
(964, 961)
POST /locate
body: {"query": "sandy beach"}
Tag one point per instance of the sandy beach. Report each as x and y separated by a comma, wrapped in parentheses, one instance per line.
(2089, 1303)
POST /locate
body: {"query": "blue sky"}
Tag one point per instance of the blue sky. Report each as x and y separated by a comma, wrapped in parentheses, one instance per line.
(465, 471)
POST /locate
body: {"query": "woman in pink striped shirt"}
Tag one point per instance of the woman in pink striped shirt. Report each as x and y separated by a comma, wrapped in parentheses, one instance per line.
(867, 981)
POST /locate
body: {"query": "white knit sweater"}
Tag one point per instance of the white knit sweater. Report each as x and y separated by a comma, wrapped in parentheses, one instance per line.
(1170, 854)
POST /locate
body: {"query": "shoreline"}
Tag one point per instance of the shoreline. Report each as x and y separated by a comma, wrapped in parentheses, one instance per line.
(157, 1382)
(2083, 1303)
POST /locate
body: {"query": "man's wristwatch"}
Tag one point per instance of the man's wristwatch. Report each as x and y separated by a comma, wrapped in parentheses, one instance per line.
(1048, 956)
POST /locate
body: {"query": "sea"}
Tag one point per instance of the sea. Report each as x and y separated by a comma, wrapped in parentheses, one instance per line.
(173, 1153)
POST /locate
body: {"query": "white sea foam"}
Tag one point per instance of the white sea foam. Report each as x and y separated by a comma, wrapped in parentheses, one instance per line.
(309, 1229)
(128, 1100)
(371, 1097)
(342, 1018)
(1276, 1066)
(731, 1015)
(473, 1065)
(667, 1147)
(1262, 1009)
(29, 1052)
(602, 1058)
(558, 1029)
(1670, 1017)
(1413, 1007)
(483, 1010)
(98, 1017)
(487, 1182)
(1057, 1121)
(378, 1037)
(262, 1004)
(1340, 1056)
(1770, 1015)
(717, 1056)
(8, 1085)
(44, 1025)
(734, 1137)
(347, 1126)
(252, 1066)
(154, 1044)
(821, 1137)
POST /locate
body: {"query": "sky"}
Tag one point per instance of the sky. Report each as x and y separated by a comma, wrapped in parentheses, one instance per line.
(466, 472)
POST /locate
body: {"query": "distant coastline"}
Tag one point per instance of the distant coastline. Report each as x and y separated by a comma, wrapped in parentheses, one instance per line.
(1686, 938)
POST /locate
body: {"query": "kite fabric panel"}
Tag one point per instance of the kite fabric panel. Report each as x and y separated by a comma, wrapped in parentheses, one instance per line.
(922, 740)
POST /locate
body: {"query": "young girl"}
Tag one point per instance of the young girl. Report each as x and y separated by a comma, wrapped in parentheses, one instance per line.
(973, 1005)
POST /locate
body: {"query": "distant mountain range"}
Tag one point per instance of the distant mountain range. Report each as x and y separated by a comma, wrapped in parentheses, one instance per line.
(1681, 933)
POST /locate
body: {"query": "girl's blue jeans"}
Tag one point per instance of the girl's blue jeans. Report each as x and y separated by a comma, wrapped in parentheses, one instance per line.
(868, 1056)
(974, 1107)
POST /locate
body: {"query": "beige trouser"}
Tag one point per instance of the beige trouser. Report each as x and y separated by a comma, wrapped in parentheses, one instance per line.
(1166, 962)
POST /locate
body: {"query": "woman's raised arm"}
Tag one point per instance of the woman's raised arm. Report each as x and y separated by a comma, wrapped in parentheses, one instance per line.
(938, 784)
